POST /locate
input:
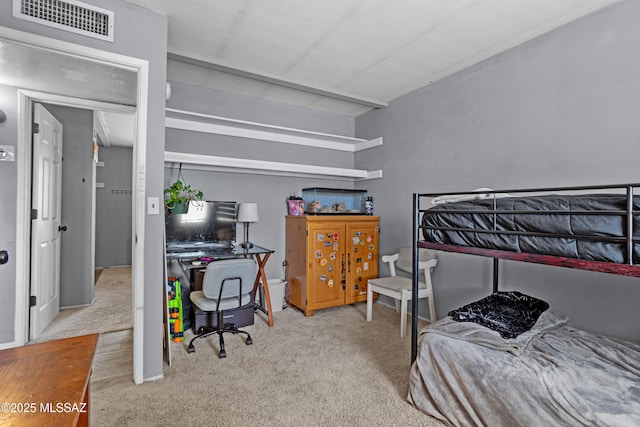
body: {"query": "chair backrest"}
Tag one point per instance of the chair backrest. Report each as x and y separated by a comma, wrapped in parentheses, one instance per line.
(403, 261)
(230, 278)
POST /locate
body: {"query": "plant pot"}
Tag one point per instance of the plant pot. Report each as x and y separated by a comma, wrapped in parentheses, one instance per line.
(181, 207)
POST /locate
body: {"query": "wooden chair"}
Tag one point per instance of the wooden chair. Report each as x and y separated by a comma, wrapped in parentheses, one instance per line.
(399, 288)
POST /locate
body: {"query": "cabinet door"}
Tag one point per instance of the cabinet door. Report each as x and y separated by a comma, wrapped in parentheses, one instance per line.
(362, 259)
(326, 265)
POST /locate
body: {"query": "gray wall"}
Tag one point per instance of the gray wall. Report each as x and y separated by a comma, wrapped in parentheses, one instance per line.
(76, 276)
(150, 45)
(270, 192)
(559, 110)
(113, 207)
(226, 104)
(8, 176)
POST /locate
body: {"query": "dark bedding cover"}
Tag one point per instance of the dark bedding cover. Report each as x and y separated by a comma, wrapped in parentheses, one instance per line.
(508, 313)
(571, 224)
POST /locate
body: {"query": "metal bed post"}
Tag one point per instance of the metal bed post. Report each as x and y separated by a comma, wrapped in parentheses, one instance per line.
(496, 272)
(414, 278)
(496, 265)
(630, 225)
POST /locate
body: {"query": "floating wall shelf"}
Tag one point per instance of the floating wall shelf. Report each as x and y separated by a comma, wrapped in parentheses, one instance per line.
(237, 165)
(187, 120)
(197, 122)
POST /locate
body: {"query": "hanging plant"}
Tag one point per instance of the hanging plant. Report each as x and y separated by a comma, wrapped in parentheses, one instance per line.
(179, 196)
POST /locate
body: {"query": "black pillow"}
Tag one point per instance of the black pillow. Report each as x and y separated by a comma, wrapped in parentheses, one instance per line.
(509, 313)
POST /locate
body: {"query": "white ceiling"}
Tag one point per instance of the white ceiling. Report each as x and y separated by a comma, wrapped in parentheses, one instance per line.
(115, 129)
(376, 50)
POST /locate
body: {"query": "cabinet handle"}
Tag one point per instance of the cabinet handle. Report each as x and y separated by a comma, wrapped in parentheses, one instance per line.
(344, 276)
(349, 263)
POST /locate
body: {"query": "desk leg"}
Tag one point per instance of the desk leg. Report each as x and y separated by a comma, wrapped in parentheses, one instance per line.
(262, 275)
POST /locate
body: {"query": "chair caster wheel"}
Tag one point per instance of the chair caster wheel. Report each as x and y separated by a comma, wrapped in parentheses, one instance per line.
(222, 354)
(249, 341)
(191, 348)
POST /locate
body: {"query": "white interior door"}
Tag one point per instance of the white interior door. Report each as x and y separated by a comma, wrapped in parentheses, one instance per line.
(45, 225)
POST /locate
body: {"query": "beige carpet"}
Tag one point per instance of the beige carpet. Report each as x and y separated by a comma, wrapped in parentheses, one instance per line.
(332, 369)
(111, 310)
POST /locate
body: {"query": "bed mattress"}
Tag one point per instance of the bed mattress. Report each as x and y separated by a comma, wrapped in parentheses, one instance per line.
(466, 374)
(590, 227)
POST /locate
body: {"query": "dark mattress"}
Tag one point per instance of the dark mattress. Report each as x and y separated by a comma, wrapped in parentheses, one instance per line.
(591, 227)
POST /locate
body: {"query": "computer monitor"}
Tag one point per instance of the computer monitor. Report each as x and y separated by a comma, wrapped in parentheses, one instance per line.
(206, 224)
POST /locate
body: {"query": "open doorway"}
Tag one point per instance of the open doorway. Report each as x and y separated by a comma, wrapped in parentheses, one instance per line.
(96, 223)
(51, 91)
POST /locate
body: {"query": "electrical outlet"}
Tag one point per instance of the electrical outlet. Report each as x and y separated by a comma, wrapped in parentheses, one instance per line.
(153, 206)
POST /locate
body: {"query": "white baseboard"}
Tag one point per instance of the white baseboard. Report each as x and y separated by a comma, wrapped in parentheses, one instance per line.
(156, 378)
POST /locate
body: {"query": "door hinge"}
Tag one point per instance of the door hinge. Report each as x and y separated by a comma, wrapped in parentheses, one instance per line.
(35, 128)
(32, 301)
(34, 213)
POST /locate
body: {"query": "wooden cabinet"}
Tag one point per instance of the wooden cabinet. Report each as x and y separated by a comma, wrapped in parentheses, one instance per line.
(330, 258)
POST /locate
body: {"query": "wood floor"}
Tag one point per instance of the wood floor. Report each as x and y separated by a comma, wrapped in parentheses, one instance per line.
(113, 360)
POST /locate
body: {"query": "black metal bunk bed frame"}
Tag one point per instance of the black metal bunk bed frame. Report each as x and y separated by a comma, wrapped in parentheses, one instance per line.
(627, 268)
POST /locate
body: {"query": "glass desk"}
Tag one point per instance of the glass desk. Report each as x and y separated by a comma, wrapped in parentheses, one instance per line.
(186, 255)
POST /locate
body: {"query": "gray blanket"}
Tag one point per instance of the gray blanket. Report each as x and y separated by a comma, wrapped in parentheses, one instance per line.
(481, 335)
(467, 375)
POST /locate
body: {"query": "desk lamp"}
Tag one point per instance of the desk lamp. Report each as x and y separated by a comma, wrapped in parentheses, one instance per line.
(247, 213)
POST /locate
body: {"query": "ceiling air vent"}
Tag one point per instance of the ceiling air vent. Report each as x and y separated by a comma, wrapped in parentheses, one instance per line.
(69, 15)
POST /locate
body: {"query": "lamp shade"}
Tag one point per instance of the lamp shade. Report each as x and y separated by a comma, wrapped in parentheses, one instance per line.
(248, 212)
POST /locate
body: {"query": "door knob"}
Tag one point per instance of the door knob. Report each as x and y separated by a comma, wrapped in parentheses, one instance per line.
(4, 257)
(62, 228)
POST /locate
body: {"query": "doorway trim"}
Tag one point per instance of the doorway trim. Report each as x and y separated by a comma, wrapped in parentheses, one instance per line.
(141, 67)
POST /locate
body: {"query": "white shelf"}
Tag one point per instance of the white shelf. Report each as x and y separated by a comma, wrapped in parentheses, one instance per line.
(191, 121)
(237, 165)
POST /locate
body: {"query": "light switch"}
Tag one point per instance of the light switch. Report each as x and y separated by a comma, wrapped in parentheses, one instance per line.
(153, 206)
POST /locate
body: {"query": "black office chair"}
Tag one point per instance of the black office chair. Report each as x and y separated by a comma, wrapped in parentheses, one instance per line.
(226, 285)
